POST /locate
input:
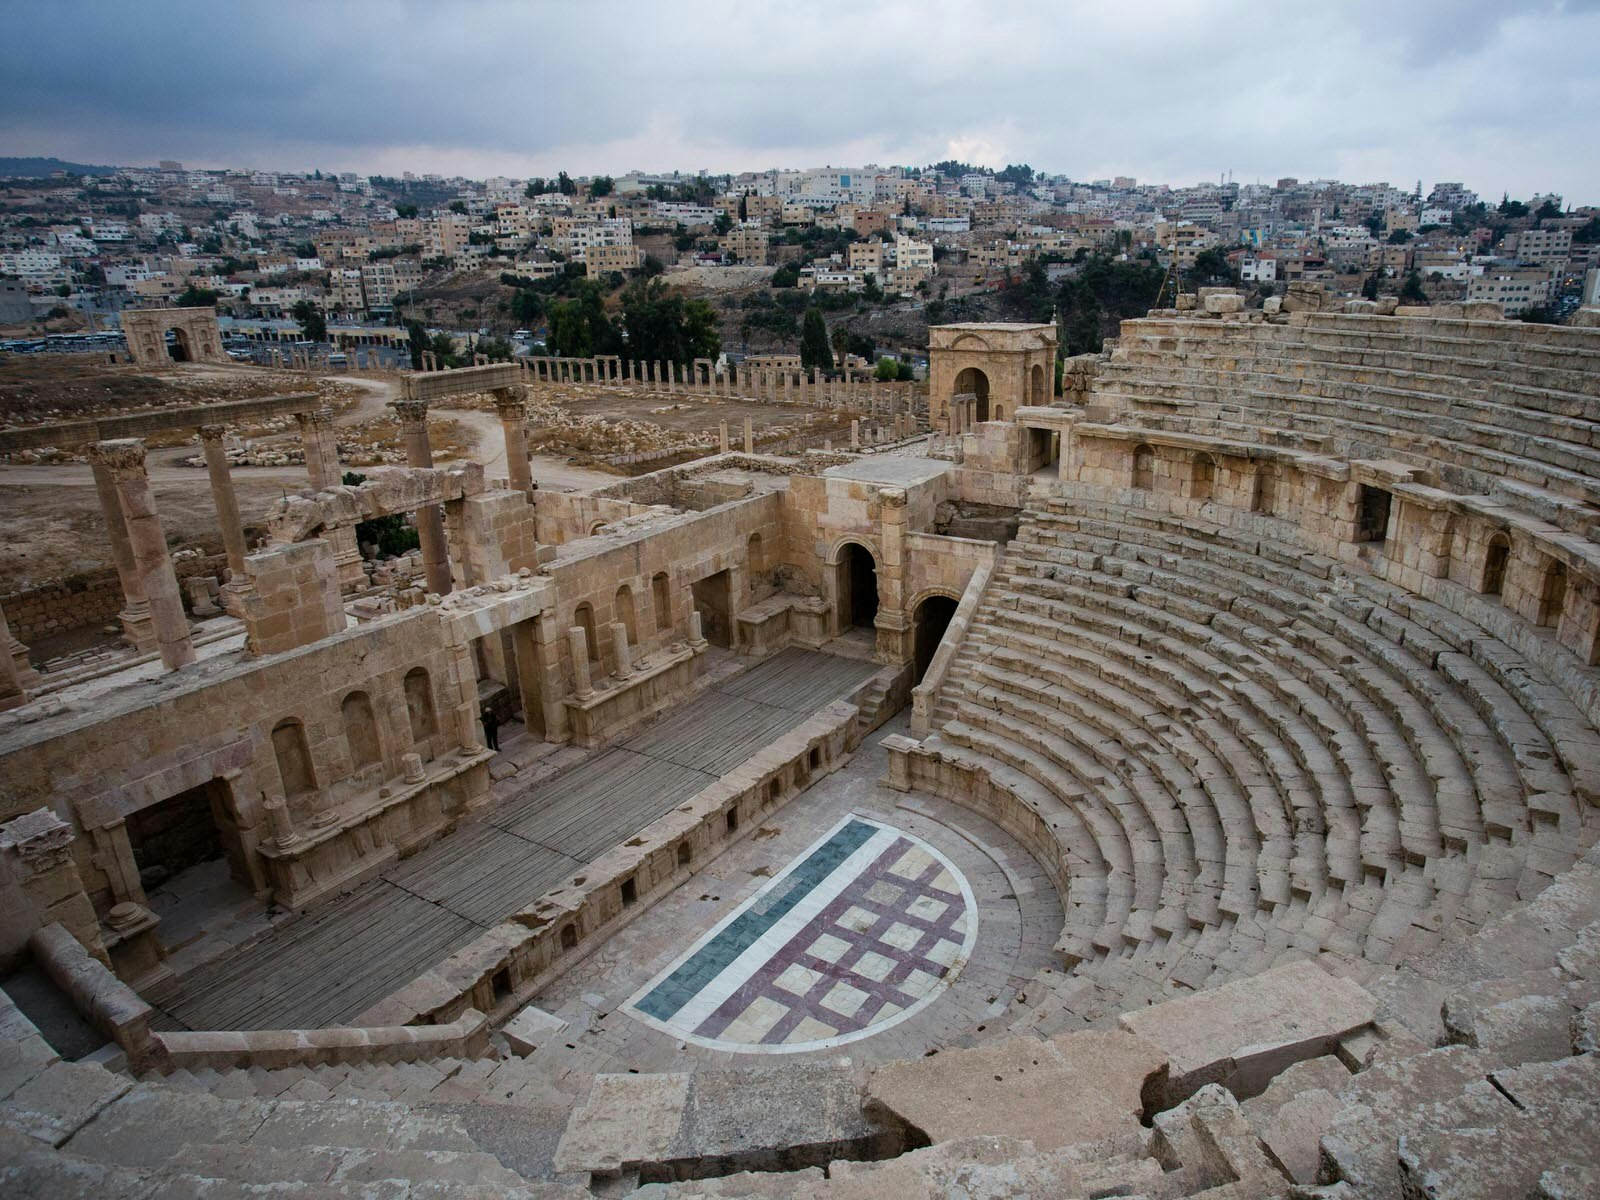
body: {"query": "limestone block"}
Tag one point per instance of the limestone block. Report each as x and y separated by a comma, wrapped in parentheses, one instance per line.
(624, 1119)
(532, 1028)
(60, 1100)
(1224, 302)
(1272, 305)
(1014, 1086)
(1245, 1033)
(1291, 1116)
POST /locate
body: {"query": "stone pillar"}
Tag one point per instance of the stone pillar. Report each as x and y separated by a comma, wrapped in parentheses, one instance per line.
(320, 446)
(620, 649)
(137, 630)
(513, 413)
(413, 416)
(855, 435)
(36, 851)
(749, 435)
(13, 687)
(696, 637)
(896, 635)
(578, 648)
(211, 437)
(722, 436)
(148, 543)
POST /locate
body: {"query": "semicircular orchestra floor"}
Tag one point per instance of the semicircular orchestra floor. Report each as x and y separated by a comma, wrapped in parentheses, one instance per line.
(856, 920)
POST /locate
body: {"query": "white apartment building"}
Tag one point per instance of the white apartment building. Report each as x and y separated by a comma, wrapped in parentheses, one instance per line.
(1544, 245)
(1258, 270)
(33, 266)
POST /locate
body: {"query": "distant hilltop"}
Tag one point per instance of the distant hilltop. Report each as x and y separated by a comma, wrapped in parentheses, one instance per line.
(42, 168)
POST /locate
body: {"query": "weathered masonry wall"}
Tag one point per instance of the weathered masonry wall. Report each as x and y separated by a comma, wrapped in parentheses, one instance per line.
(94, 598)
(282, 743)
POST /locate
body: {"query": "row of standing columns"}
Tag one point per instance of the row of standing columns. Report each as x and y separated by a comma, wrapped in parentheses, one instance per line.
(857, 390)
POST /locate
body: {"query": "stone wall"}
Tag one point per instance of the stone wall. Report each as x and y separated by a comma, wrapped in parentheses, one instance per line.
(94, 598)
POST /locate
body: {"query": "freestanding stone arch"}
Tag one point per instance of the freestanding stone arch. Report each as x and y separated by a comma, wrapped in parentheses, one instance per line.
(198, 337)
(1013, 360)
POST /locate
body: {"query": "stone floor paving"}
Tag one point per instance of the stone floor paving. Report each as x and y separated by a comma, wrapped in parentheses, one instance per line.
(612, 1025)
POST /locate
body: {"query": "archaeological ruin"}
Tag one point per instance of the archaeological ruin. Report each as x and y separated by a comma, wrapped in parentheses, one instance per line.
(1170, 775)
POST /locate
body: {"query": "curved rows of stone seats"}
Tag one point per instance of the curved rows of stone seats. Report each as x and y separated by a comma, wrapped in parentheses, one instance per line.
(1246, 753)
(1509, 401)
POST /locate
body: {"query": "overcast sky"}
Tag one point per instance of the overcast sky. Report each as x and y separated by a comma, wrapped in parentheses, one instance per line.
(1499, 94)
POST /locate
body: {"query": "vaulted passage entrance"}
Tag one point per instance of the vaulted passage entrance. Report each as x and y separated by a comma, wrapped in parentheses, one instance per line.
(713, 596)
(857, 579)
(932, 619)
(173, 835)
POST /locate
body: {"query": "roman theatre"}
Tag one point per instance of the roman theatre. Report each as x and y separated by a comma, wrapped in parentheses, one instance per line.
(1178, 780)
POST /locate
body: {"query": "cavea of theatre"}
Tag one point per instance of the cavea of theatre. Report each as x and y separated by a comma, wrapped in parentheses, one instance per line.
(1178, 780)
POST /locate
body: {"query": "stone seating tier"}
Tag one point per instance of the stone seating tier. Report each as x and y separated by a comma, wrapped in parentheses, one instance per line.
(1245, 751)
(1501, 403)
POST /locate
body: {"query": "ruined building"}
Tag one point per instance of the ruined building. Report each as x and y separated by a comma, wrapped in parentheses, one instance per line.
(1181, 785)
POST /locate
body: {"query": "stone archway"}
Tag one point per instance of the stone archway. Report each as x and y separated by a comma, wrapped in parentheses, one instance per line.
(856, 587)
(180, 350)
(1038, 395)
(971, 381)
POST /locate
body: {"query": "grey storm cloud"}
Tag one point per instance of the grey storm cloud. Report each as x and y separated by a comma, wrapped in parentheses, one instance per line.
(1501, 96)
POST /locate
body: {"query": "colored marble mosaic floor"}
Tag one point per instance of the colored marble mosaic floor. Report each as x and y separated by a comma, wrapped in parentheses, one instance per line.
(859, 932)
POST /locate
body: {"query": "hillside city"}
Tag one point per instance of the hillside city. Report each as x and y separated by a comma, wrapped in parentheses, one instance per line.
(507, 267)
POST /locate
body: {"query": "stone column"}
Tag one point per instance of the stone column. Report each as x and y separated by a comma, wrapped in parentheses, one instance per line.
(320, 446)
(749, 435)
(321, 449)
(620, 650)
(513, 413)
(855, 435)
(413, 416)
(578, 648)
(135, 615)
(722, 434)
(226, 501)
(151, 562)
(13, 689)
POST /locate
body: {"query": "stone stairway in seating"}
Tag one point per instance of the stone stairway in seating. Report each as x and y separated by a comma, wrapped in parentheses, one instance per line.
(1247, 754)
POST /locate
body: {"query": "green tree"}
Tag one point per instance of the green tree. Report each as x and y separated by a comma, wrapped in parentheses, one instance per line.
(1412, 292)
(565, 186)
(659, 323)
(312, 323)
(458, 206)
(1400, 237)
(602, 185)
(405, 211)
(1369, 289)
(1211, 269)
(416, 342)
(887, 370)
(722, 224)
(580, 328)
(814, 350)
(195, 297)
(786, 276)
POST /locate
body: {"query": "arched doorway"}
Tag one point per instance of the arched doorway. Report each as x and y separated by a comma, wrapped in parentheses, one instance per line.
(179, 350)
(932, 618)
(973, 382)
(857, 582)
(1036, 390)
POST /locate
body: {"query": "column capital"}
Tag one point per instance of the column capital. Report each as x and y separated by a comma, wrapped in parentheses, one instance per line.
(410, 412)
(315, 418)
(509, 402)
(123, 456)
(213, 433)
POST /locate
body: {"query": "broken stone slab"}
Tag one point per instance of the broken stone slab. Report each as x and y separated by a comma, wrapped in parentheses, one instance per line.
(625, 1119)
(60, 1100)
(1245, 1033)
(1015, 1088)
(532, 1028)
(1294, 1112)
